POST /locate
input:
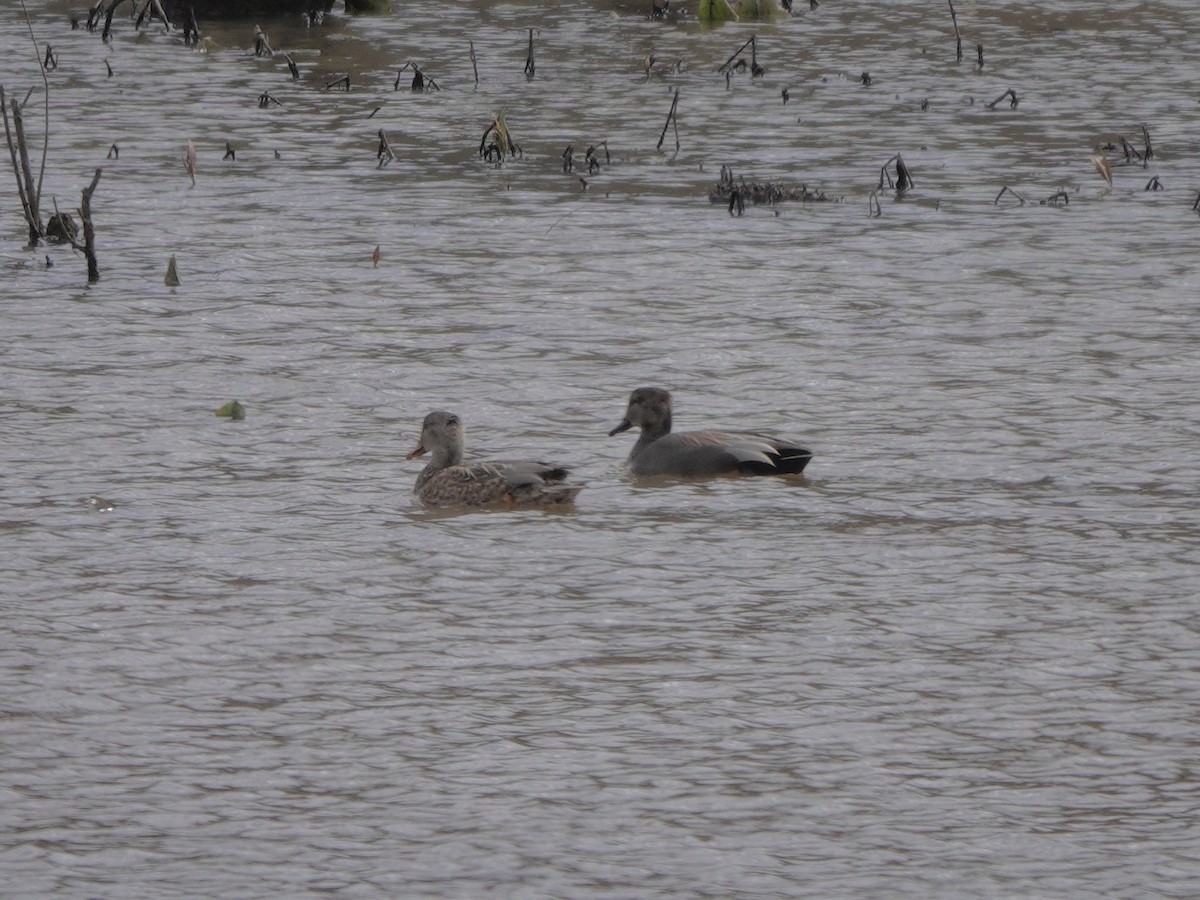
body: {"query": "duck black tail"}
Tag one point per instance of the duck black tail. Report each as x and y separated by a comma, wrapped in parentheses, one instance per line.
(784, 461)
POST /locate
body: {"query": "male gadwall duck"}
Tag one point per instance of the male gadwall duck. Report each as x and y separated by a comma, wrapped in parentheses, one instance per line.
(448, 481)
(699, 454)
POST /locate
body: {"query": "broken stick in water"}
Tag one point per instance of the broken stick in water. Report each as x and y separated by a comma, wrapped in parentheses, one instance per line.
(384, 154)
(1012, 102)
(957, 36)
(63, 228)
(89, 233)
(736, 63)
(671, 118)
(1007, 190)
(530, 65)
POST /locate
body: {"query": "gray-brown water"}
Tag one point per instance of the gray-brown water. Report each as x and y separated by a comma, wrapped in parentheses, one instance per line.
(959, 658)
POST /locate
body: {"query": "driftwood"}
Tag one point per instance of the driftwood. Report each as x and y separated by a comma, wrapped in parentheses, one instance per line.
(1012, 102)
(671, 117)
(957, 36)
(384, 154)
(29, 192)
(89, 233)
(63, 228)
(530, 65)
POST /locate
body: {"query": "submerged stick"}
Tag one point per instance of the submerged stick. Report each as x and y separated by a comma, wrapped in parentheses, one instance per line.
(1012, 103)
(66, 230)
(20, 164)
(671, 117)
(530, 65)
(1007, 190)
(1131, 153)
(957, 36)
(31, 195)
(89, 233)
(384, 154)
(729, 63)
(474, 64)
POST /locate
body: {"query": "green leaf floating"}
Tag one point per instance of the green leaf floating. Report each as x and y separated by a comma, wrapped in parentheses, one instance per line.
(232, 410)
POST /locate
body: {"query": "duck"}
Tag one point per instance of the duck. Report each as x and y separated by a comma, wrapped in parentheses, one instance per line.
(447, 481)
(701, 454)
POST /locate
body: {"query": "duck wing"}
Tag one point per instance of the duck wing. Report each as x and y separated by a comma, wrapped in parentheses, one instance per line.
(696, 454)
(497, 483)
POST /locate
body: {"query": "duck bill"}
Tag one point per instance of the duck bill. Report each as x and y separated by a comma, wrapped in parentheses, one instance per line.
(624, 426)
(419, 451)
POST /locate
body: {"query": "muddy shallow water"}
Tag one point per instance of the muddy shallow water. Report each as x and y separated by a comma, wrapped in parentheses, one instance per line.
(957, 658)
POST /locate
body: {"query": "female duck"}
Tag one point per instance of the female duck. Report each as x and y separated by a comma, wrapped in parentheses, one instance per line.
(448, 481)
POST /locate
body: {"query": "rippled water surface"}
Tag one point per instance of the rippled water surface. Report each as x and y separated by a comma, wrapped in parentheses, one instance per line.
(960, 657)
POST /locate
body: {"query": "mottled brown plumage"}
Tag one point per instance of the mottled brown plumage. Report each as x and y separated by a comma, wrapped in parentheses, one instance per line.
(448, 481)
